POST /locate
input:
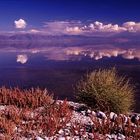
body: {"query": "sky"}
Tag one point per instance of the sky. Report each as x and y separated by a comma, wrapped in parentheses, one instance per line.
(74, 17)
(70, 15)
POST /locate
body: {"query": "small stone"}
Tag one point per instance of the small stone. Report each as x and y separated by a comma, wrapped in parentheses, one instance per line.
(101, 115)
(61, 138)
(113, 116)
(108, 136)
(121, 137)
(93, 113)
(39, 138)
(61, 132)
(89, 111)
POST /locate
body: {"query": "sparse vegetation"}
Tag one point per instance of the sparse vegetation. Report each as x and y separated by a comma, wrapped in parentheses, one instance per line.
(29, 113)
(32, 98)
(106, 91)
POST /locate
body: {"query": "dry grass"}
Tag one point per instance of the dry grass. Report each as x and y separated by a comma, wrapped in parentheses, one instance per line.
(106, 91)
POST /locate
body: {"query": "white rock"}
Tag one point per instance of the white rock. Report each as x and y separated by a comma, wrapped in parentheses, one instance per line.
(68, 124)
(102, 114)
(61, 138)
(91, 136)
(2, 107)
(113, 136)
(80, 118)
(108, 137)
(113, 115)
(121, 137)
(93, 113)
(76, 132)
(89, 111)
(83, 112)
(49, 138)
(61, 132)
(39, 138)
(76, 138)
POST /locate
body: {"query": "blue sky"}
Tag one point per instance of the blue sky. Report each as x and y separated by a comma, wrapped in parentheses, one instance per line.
(37, 12)
(76, 17)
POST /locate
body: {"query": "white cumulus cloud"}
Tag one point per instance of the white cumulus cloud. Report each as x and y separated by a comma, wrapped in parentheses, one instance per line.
(100, 27)
(73, 30)
(132, 26)
(20, 24)
(89, 28)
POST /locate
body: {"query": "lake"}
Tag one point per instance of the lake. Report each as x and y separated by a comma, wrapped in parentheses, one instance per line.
(59, 68)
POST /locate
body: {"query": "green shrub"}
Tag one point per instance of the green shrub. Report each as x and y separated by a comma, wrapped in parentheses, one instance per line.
(106, 91)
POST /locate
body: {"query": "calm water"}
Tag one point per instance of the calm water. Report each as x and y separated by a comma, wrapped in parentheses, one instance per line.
(58, 70)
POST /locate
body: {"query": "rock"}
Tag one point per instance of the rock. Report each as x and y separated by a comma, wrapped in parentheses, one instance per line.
(39, 138)
(108, 137)
(88, 128)
(61, 132)
(121, 137)
(101, 115)
(82, 108)
(89, 111)
(83, 113)
(113, 116)
(93, 113)
(134, 118)
(61, 138)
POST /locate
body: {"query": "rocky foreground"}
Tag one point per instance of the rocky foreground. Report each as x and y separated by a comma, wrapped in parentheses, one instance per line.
(78, 123)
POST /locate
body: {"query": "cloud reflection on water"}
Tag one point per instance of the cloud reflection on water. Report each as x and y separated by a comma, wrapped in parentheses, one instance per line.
(22, 58)
(78, 53)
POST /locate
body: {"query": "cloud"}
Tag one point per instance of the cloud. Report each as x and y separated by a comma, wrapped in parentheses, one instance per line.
(56, 27)
(34, 31)
(74, 30)
(82, 28)
(72, 27)
(62, 27)
(20, 24)
(129, 24)
(132, 26)
(22, 58)
(100, 27)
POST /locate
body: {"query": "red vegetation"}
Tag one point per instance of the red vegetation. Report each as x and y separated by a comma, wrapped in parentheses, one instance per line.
(30, 113)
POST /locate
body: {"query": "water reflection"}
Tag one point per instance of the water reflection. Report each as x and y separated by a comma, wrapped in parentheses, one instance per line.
(59, 68)
(77, 53)
(22, 58)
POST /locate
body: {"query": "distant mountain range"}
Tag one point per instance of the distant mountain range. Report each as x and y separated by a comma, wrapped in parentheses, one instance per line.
(28, 40)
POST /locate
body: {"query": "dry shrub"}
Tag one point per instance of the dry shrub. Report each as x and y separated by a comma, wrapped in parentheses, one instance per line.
(106, 91)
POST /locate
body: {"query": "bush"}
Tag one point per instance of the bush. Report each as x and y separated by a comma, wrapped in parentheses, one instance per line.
(32, 98)
(105, 90)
